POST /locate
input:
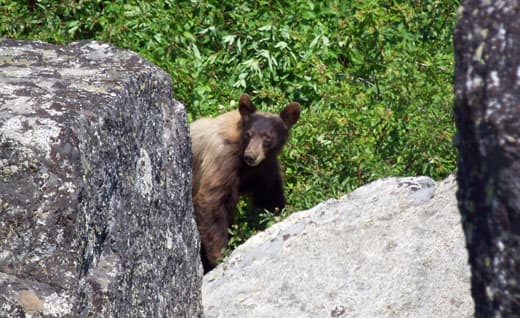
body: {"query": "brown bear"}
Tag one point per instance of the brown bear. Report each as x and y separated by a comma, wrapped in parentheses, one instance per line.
(234, 154)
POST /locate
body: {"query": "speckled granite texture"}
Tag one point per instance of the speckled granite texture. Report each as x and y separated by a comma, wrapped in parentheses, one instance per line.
(95, 204)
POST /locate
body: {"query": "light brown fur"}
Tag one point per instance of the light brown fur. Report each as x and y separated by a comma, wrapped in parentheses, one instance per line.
(216, 160)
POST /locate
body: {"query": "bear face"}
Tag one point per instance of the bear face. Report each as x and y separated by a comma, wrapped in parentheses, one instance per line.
(264, 134)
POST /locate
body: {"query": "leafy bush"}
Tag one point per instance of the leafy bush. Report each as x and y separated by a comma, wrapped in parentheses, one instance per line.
(374, 77)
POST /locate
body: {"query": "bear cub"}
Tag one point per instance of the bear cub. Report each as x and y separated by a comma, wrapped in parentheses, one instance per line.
(236, 154)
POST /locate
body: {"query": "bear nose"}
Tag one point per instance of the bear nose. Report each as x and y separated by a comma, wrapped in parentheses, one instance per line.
(249, 159)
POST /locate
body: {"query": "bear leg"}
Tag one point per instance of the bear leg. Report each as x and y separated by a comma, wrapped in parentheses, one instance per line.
(213, 242)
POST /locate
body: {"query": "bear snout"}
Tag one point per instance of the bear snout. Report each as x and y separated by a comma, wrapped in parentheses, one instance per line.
(254, 153)
(250, 160)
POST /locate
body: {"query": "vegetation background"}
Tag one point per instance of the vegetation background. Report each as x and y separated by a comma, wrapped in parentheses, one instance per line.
(374, 76)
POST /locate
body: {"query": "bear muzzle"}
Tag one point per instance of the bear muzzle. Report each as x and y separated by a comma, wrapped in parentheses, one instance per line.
(252, 161)
(254, 154)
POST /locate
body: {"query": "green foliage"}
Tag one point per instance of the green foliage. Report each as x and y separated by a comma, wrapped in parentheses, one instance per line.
(374, 77)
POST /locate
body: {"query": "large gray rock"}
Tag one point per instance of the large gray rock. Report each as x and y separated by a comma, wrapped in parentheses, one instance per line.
(393, 248)
(487, 108)
(95, 208)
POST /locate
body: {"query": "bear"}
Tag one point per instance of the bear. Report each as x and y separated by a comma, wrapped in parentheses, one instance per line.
(236, 154)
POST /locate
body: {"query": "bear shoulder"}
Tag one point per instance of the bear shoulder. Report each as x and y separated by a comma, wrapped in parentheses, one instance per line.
(224, 128)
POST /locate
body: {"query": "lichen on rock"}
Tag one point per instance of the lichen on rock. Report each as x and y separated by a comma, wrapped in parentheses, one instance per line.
(94, 179)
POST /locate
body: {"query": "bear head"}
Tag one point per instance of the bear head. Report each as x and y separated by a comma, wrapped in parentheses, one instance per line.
(264, 134)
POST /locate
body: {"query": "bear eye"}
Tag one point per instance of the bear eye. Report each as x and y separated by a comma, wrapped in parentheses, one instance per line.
(248, 134)
(268, 141)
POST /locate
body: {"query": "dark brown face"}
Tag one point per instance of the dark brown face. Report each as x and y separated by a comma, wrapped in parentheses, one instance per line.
(264, 136)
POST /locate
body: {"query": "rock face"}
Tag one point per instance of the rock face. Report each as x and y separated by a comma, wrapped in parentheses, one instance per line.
(487, 104)
(95, 207)
(393, 248)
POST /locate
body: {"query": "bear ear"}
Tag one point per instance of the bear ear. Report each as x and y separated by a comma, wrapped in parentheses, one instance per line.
(290, 114)
(246, 107)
